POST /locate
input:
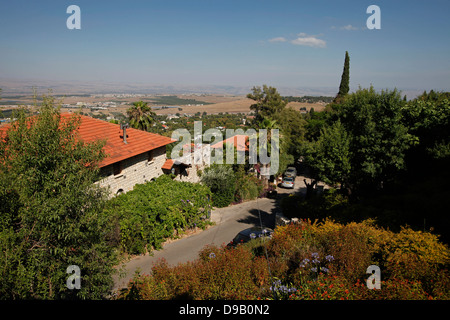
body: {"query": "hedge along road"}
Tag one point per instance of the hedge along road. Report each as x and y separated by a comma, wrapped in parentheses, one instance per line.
(229, 221)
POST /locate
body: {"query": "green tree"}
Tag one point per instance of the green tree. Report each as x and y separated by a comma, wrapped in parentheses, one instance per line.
(293, 128)
(344, 87)
(379, 140)
(141, 116)
(330, 155)
(221, 180)
(51, 210)
(376, 137)
(268, 102)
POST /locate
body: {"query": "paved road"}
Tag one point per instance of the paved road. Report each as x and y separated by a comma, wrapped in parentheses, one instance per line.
(229, 221)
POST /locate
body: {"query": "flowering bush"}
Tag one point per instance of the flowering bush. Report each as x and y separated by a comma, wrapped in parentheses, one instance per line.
(281, 291)
(308, 261)
(219, 273)
(413, 254)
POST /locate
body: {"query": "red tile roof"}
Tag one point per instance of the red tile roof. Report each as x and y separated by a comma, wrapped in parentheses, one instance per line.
(168, 164)
(138, 141)
(240, 141)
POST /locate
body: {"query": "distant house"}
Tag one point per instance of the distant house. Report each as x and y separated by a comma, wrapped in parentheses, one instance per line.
(240, 141)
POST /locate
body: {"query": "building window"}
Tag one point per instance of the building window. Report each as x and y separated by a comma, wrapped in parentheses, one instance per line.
(117, 168)
(150, 156)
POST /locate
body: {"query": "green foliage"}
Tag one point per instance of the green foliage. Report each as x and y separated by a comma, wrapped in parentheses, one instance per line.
(344, 87)
(420, 204)
(428, 118)
(309, 99)
(152, 212)
(248, 187)
(330, 155)
(371, 140)
(315, 122)
(221, 180)
(141, 116)
(330, 204)
(51, 210)
(268, 102)
(293, 129)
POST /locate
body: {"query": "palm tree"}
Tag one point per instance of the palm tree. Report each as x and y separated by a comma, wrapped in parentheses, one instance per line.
(141, 116)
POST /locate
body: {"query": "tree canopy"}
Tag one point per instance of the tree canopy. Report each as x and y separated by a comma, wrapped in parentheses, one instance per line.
(268, 102)
(367, 135)
(344, 87)
(141, 116)
(50, 210)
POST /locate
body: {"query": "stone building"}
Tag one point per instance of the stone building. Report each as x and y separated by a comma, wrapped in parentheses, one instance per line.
(133, 156)
(188, 167)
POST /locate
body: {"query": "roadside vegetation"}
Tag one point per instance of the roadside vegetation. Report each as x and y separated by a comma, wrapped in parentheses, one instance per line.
(156, 211)
(307, 261)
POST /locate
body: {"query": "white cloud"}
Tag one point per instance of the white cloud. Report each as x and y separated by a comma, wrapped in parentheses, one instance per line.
(309, 41)
(349, 27)
(303, 39)
(278, 39)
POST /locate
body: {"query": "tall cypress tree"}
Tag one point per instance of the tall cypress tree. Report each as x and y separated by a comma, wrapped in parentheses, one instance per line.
(344, 87)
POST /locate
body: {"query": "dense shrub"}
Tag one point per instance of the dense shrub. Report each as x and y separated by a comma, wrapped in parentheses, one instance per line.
(419, 204)
(221, 180)
(330, 203)
(217, 274)
(231, 183)
(154, 211)
(413, 255)
(248, 187)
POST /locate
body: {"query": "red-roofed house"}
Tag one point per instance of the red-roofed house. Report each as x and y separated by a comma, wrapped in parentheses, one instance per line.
(240, 141)
(136, 158)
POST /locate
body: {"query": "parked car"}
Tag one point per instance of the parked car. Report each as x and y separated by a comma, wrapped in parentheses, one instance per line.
(290, 172)
(288, 182)
(248, 234)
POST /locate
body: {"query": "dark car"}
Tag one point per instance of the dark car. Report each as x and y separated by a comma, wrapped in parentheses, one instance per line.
(248, 234)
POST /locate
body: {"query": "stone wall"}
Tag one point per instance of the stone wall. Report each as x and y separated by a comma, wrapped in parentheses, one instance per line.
(191, 174)
(199, 160)
(135, 170)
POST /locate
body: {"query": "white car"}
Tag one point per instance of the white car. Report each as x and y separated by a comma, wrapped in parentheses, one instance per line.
(288, 182)
(290, 172)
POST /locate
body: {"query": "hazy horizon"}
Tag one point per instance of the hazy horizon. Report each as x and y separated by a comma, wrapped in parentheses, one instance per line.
(296, 46)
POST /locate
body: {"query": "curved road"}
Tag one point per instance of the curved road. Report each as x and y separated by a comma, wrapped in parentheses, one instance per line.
(229, 222)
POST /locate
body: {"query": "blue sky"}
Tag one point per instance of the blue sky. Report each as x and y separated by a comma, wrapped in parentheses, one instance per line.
(240, 43)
